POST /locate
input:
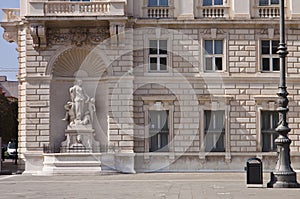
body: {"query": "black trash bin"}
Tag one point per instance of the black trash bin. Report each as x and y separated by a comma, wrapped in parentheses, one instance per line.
(254, 172)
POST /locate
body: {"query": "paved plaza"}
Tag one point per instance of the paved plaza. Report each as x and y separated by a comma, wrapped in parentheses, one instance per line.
(140, 186)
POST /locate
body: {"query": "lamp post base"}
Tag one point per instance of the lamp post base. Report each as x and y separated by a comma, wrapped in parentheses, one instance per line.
(283, 180)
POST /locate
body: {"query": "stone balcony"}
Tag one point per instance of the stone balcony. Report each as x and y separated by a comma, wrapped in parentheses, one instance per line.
(103, 8)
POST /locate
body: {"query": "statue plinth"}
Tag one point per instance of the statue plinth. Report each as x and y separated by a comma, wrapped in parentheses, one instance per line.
(80, 139)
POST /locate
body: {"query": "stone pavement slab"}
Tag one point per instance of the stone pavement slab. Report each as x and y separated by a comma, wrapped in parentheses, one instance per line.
(140, 186)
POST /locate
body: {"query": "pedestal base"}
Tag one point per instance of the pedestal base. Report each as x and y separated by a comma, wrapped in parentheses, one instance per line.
(88, 143)
(283, 180)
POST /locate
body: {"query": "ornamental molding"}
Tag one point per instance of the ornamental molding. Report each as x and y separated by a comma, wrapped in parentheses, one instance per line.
(271, 32)
(266, 99)
(77, 36)
(158, 98)
(212, 32)
(203, 99)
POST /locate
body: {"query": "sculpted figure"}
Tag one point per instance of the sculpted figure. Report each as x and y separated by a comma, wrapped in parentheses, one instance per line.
(79, 98)
(92, 108)
(86, 119)
(70, 114)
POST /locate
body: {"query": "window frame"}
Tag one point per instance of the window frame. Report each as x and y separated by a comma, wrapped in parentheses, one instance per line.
(213, 3)
(158, 4)
(213, 56)
(159, 131)
(273, 134)
(268, 4)
(271, 56)
(158, 56)
(213, 114)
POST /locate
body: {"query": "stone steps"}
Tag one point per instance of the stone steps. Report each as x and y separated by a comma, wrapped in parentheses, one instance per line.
(71, 164)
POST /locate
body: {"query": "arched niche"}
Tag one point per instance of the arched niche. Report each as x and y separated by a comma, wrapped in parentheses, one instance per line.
(66, 67)
(73, 60)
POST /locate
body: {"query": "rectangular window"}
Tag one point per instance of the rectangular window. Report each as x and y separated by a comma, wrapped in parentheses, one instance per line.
(213, 55)
(268, 2)
(214, 131)
(158, 3)
(158, 131)
(158, 55)
(270, 58)
(212, 2)
(269, 122)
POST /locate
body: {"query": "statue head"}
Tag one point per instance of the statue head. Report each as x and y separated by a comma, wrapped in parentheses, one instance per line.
(79, 82)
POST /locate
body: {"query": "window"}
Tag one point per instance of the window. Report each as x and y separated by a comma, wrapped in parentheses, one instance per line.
(270, 58)
(213, 55)
(158, 2)
(158, 55)
(214, 131)
(158, 130)
(269, 121)
(212, 2)
(268, 2)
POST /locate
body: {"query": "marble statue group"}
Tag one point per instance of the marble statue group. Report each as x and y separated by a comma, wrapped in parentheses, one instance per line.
(81, 109)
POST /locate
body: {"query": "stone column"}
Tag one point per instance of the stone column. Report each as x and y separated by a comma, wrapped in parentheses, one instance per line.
(185, 9)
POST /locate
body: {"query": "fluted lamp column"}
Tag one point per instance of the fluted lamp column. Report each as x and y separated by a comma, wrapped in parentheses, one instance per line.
(283, 176)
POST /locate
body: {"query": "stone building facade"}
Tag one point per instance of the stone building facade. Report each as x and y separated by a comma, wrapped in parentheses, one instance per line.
(179, 85)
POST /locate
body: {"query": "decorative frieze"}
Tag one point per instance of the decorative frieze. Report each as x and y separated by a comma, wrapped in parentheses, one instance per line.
(77, 36)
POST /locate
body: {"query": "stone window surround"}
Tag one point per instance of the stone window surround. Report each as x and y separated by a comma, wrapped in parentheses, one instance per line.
(215, 103)
(214, 36)
(263, 103)
(270, 34)
(158, 36)
(159, 102)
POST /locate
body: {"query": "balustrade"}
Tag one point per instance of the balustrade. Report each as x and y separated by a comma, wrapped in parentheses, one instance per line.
(158, 12)
(213, 12)
(268, 11)
(65, 8)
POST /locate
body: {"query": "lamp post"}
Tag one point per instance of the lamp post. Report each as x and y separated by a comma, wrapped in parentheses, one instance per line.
(283, 176)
